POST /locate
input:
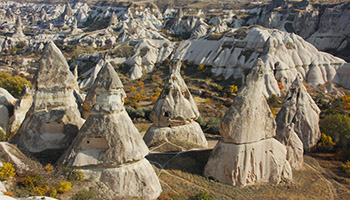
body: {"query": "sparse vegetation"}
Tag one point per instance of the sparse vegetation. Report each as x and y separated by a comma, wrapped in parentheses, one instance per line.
(85, 195)
(7, 171)
(13, 84)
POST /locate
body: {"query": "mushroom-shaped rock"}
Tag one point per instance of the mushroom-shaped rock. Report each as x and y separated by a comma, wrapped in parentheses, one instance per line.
(301, 110)
(53, 120)
(173, 117)
(109, 146)
(247, 155)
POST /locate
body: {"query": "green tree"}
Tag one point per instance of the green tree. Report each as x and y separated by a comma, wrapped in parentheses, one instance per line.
(338, 127)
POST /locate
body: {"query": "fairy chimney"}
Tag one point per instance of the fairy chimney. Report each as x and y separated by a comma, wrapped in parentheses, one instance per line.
(109, 147)
(53, 120)
(174, 113)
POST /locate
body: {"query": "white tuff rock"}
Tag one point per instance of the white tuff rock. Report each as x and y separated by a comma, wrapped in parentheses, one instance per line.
(173, 116)
(246, 155)
(109, 148)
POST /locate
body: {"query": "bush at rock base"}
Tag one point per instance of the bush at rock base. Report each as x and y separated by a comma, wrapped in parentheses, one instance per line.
(13, 84)
(7, 171)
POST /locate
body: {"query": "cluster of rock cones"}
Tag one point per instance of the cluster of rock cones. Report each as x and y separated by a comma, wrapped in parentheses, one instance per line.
(109, 148)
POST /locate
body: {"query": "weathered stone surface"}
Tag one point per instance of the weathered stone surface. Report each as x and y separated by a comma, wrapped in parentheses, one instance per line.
(109, 147)
(19, 29)
(53, 120)
(113, 22)
(295, 150)
(53, 72)
(4, 117)
(105, 140)
(343, 76)
(301, 110)
(10, 153)
(136, 180)
(108, 82)
(249, 118)
(175, 105)
(176, 138)
(21, 108)
(6, 98)
(247, 164)
(173, 117)
(2, 188)
(248, 154)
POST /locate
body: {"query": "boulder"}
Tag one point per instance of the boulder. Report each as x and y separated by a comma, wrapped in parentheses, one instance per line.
(53, 120)
(109, 147)
(4, 118)
(301, 110)
(173, 116)
(6, 98)
(11, 154)
(246, 155)
(21, 108)
(2, 188)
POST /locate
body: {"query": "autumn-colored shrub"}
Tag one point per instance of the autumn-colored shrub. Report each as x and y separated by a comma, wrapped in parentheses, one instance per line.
(233, 89)
(326, 143)
(346, 167)
(64, 186)
(155, 95)
(13, 84)
(7, 171)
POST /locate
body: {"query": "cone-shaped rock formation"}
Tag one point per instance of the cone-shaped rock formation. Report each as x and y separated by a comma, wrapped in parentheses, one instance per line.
(19, 29)
(173, 116)
(113, 22)
(53, 120)
(300, 110)
(247, 155)
(109, 147)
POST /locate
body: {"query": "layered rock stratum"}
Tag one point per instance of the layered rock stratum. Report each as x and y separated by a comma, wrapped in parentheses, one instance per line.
(53, 119)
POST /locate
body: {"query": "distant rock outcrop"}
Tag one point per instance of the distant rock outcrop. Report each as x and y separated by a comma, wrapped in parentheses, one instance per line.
(299, 111)
(19, 29)
(53, 120)
(284, 54)
(248, 154)
(109, 148)
(173, 115)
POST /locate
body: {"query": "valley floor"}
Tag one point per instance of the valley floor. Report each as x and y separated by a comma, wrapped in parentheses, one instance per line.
(181, 177)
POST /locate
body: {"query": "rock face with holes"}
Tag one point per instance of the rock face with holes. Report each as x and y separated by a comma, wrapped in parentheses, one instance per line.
(53, 120)
(301, 112)
(246, 155)
(109, 148)
(173, 115)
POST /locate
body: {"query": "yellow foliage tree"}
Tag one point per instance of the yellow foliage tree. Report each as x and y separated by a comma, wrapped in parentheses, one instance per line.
(346, 102)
